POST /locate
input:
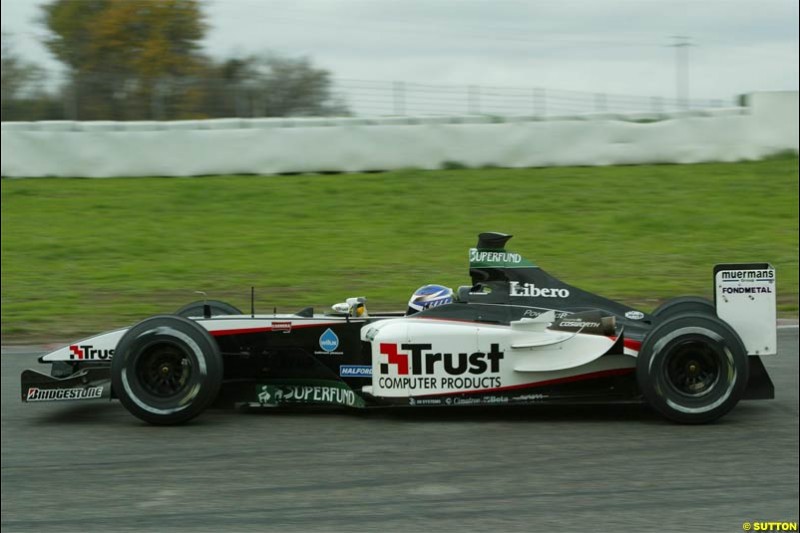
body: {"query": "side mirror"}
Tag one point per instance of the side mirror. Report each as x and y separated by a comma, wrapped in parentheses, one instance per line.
(341, 308)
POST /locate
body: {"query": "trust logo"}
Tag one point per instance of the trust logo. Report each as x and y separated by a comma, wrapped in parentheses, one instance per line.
(87, 351)
(423, 361)
(394, 358)
(76, 352)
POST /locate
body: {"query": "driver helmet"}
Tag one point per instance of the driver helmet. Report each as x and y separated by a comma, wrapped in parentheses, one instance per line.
(429, 296)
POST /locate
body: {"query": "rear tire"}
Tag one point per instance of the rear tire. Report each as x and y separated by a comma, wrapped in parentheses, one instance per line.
(683, 305)
(166, 370)
(692, 368)
(218, 308)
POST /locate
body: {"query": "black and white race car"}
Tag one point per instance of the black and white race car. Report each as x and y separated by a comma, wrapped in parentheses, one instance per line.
(515, 335)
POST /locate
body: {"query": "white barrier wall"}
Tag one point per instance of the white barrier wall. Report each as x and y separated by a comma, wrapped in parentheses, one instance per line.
(767, 125)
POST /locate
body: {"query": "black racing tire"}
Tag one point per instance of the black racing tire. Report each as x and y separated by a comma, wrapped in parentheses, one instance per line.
(166, 370)
(683, 305)
(692, 368)
(218, 308)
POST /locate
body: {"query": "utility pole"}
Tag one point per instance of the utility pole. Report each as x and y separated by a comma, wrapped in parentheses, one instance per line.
(681, 46)
(474, 99)
(399, 98)
(539, 102)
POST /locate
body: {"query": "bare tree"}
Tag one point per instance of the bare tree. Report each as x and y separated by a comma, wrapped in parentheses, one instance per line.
(23, 94)
(275, 86)
(19, 78)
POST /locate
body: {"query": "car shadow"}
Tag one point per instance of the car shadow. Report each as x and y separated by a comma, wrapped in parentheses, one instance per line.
(113, 413)
(526, 413)
(517, 413)
(87, 413)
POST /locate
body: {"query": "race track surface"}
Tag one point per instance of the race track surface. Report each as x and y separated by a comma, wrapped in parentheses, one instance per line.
(93, 467)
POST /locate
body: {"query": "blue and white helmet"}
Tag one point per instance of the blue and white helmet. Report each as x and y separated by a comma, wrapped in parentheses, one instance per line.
(429, 296)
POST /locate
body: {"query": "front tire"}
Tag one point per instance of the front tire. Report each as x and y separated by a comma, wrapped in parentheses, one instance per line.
(692, 368)
(166, 370)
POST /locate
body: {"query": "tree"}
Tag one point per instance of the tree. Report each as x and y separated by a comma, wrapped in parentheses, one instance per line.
(141, 59)
(121, 55)
(16, 74)
(22, 93)
(275, 86)
(294, 87)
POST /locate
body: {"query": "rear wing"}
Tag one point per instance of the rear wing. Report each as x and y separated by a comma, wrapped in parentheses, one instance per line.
(744, 295)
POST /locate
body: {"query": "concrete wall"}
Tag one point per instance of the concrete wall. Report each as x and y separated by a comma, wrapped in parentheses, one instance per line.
(768, 124)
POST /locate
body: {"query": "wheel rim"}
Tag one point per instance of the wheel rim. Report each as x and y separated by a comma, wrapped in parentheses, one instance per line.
(694, 368)
(163, 370)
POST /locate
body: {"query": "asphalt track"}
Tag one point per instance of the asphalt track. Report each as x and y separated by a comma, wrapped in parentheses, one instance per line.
(93, 467)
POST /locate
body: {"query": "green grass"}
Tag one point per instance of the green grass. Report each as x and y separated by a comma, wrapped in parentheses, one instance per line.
(80, 256)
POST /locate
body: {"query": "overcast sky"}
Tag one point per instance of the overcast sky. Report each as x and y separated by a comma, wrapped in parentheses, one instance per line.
(614, 46)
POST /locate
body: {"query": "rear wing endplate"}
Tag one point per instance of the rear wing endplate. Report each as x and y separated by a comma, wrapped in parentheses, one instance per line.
(744, 295)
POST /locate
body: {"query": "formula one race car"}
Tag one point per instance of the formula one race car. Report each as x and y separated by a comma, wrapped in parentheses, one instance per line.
(516, 335)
